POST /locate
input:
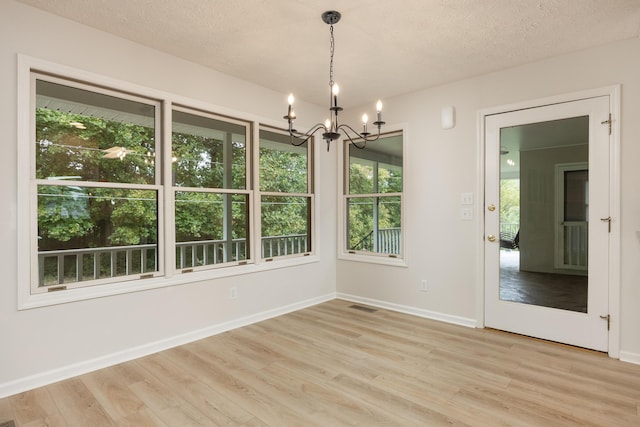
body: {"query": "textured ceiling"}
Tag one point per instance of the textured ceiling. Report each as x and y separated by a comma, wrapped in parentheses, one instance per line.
(383, 48)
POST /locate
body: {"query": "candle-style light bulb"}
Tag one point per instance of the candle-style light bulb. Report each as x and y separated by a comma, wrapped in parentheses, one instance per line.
(379, 110)
(365, 119)
(290, 113)
(335, 89)
(327, 125)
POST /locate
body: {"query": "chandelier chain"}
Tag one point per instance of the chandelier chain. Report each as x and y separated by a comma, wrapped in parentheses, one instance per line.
(331, 128)
(331, 47)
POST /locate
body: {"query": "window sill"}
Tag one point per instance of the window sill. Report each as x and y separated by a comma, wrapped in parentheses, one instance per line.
(373, 259)
(28, 301)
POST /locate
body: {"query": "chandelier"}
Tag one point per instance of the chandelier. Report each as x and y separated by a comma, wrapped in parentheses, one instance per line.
(331, 128)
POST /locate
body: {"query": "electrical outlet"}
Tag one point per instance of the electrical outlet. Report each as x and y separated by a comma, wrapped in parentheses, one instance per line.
(423, 285)
(233, 292)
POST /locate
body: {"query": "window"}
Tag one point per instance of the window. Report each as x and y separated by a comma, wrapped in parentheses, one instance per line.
(96, 186)
(285, 195)
(121, 187)
(210, 190)
(373, 189)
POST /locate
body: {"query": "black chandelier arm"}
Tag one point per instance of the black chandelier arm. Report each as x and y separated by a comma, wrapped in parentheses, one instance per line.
(299, 135)
(363, 136)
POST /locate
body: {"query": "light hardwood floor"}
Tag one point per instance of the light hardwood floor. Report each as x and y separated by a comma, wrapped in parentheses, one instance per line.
(331, 365)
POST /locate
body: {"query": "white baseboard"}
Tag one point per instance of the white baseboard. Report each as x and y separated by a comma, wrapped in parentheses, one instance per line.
(627, 356)
(428, 314)
(63, 373)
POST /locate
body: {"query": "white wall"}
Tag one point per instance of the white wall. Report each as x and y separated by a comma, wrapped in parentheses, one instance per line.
(44, 344)
(441, 164)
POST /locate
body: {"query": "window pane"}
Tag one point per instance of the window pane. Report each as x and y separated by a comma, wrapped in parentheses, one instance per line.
(208, 153)
(361, 177)
(375, 224)
(285, 225)
(283, 167)
(88, 233)
(377, 168)
(88, 136)
(389, 178)
(211, 228)
(360, 224)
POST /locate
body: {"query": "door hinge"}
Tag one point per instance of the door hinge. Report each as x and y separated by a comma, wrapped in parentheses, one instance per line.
(608, 122)
(608, 319)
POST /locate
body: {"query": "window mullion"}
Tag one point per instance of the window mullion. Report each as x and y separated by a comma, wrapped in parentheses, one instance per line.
(167, 239)
(227, 158)
(256, 196)
(376, 205)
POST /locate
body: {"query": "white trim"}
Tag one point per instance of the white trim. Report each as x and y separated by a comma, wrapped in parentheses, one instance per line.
(256, 213)
(28, 383)
(89, 292)
(613, 92)
(167, 238)
(258, 194)
(557, 99)
(479, 222)
(25, 170)
(627, 356)
(368, 257)
(614, 212)
(414, 311)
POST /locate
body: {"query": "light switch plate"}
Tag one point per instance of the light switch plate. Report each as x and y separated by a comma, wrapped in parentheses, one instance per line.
(466, 214)
(466, 198)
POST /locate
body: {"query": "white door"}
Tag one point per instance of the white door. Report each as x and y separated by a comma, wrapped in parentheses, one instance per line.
(525, 290)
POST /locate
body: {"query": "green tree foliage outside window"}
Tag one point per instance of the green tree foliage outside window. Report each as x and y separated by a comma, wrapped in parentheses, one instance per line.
(95, 172)
(89, 217)
(374, 197)
(285, 202)
(510, 201)
(209, 155)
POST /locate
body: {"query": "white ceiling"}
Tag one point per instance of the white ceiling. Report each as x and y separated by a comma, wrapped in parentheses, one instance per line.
(382, 48)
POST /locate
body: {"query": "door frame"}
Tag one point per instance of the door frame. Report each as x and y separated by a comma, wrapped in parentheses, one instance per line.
(614, 200)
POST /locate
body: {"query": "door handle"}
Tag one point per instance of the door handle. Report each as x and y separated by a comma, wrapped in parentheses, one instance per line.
(608, 220)
(491, 238)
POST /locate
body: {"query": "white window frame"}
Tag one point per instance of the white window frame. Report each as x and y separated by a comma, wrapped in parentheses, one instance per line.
(35, 182)
(26, 65)
(170, 232)
(400, 260)
(310, 194)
